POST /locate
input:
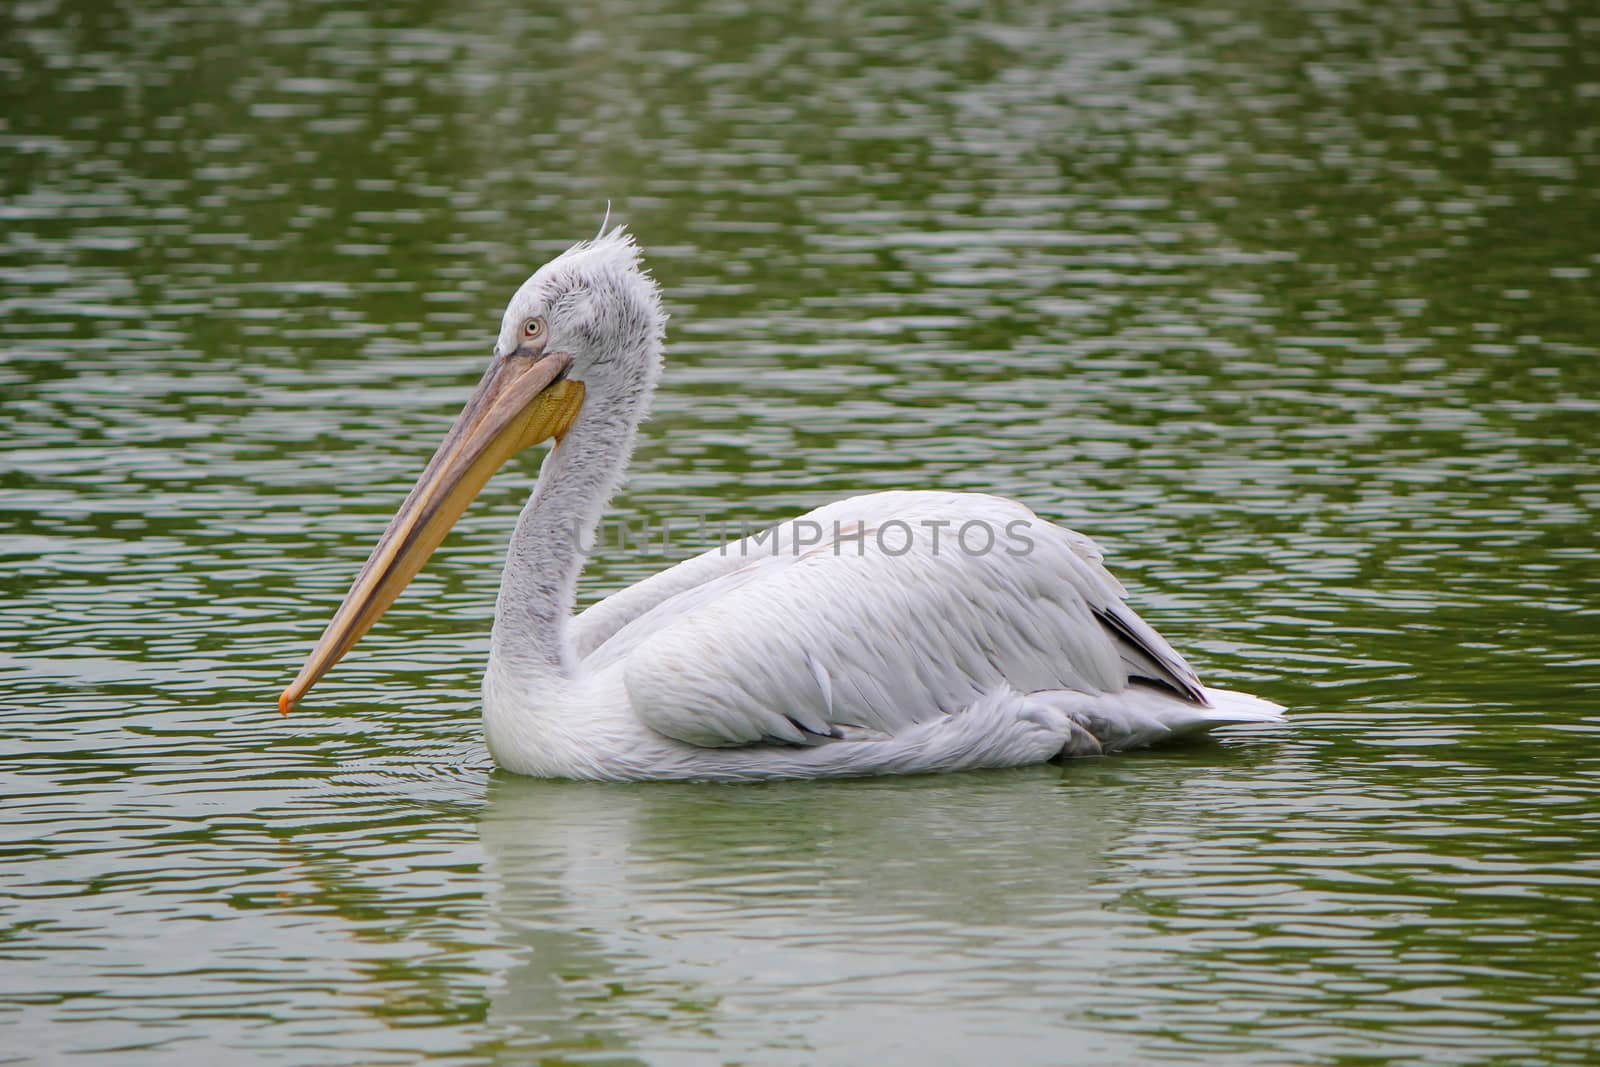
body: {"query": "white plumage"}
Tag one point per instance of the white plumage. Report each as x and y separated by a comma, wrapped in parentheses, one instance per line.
(894, 632)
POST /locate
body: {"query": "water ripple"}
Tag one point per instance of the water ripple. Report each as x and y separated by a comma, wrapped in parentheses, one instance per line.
(1292, 311)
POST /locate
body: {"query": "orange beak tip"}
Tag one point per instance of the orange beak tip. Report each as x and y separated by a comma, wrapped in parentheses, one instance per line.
(285, 702)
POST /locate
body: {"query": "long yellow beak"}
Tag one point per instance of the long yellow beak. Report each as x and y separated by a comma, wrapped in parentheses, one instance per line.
(520, 402)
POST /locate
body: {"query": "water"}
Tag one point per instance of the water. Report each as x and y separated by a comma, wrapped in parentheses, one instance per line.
(1293, 310)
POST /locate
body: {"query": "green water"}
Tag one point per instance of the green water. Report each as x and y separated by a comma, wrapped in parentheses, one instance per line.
(1293, 309)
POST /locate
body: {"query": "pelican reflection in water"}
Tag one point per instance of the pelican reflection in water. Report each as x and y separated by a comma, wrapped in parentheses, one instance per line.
(874, 646)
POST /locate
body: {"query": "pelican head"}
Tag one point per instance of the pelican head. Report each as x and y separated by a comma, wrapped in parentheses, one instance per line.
(580, 343)
(600, 306)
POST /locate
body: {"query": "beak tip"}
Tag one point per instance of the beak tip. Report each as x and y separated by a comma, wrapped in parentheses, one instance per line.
(286, 701)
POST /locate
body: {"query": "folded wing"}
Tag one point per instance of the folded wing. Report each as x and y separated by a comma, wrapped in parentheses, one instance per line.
(839, 625)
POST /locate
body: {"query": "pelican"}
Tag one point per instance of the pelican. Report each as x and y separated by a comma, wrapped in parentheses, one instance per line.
(894, 632)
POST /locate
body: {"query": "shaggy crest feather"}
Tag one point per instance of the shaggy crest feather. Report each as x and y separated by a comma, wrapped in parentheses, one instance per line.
(598, 290)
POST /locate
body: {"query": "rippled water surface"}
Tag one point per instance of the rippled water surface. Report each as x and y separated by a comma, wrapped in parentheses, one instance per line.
(1294, 309)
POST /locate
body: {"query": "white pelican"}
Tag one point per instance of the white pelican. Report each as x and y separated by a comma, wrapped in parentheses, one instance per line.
(852, 640)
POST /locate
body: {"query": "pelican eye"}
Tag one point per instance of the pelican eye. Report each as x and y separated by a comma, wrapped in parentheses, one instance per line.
(533, 328)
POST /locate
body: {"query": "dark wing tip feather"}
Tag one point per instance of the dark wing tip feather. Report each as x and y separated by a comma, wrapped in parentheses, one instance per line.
(1161, 669)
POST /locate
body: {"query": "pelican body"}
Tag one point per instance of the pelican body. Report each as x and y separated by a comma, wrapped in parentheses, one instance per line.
(895, 632)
